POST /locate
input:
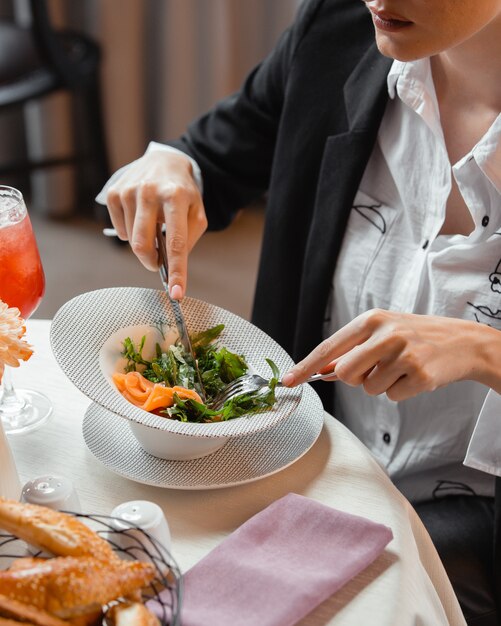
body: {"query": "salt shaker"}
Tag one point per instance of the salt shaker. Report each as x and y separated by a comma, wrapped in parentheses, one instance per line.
(10, 487)
(128, 521)
(54, 492)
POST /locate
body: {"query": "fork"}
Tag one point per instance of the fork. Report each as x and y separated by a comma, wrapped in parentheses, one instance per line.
(249, 383)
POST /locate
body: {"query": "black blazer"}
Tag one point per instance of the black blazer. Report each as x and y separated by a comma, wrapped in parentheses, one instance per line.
(301, 130)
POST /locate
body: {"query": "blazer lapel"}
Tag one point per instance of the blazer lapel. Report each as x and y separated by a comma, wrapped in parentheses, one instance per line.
(366, 89)
(343, 163)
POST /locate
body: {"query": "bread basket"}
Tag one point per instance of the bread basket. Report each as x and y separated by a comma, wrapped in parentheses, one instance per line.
(163, 596)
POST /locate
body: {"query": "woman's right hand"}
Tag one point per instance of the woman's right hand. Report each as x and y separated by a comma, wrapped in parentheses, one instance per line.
(159, 187)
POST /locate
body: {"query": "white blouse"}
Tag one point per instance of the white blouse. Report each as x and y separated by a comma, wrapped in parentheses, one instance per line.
(393, 258)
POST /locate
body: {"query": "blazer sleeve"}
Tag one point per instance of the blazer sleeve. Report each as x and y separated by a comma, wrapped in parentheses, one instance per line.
(234, 142)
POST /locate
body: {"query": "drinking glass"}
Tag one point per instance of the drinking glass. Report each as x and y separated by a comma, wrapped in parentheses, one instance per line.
(22, 285)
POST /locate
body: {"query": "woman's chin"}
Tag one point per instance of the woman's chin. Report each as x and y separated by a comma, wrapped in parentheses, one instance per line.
(401, 51)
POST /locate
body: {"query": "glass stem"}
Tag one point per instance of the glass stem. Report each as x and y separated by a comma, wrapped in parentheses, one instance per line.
(10, 402)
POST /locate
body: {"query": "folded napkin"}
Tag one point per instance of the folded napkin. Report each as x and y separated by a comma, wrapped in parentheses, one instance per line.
(280, 565)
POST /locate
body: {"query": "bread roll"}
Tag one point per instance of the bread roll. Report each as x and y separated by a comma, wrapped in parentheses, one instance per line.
(131, 614)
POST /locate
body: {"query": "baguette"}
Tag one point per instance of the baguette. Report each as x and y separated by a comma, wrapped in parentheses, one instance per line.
(68, 587)
(59, 533)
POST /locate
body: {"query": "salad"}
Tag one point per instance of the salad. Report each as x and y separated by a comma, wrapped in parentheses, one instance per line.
(167, 384)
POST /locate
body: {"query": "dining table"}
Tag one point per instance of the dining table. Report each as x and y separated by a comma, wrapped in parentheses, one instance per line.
(406, 585)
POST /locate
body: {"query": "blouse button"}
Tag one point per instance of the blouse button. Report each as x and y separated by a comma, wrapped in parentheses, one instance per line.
(485, 220)
(386, 438)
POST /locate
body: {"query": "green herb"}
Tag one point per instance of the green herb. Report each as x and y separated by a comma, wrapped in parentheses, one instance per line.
(134, 357)
(206, 337)
(217, 365)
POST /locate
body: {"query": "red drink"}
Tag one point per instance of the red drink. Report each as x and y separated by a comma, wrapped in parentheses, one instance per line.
(22, 281)
(22, 284)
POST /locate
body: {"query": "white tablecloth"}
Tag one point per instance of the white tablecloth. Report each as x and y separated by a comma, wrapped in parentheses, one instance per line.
(406, 586)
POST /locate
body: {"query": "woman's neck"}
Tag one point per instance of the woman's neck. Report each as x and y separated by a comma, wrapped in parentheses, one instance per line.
(470, 73)
(467, 82)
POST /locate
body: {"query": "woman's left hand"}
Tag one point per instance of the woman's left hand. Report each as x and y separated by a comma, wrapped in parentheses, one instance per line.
(402, 354)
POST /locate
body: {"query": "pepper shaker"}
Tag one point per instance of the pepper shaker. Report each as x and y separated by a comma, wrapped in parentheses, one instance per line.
(134, 523)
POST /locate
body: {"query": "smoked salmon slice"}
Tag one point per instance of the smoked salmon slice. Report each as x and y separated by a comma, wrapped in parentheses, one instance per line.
(147, 395)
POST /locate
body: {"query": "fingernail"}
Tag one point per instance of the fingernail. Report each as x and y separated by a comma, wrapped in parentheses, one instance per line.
(288, 379)
(176, 293)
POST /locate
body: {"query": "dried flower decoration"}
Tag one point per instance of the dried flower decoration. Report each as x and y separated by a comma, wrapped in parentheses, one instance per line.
(13, 348)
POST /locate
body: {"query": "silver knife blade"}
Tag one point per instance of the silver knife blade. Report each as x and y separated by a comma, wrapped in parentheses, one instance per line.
(184, 337)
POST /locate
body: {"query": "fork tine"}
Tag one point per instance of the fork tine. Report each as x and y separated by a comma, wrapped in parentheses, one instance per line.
(244, 384)
(237, 382)
(221, 402)
(228, 392)
(237, 390)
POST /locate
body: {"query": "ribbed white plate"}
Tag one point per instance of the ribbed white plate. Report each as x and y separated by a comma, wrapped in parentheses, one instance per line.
(82, 328)
(241, 460)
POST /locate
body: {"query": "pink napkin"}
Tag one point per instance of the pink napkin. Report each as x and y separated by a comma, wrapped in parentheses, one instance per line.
(280, 565)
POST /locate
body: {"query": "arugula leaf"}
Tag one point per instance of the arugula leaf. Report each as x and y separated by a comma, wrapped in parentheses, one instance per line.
(190, 410)
(134, 357)
(206, 337)
(274, 370)
(230, 365)
(163, 368)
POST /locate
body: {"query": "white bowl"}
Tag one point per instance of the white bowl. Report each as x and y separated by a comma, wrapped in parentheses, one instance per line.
(86, 336)
(160, 443)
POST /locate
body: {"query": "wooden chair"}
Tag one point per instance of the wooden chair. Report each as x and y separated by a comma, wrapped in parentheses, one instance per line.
(38, 60)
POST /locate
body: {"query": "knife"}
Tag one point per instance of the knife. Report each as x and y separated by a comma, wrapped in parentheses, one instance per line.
(184, 337)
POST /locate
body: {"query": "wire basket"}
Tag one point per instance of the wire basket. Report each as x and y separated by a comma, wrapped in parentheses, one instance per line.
(163, 596)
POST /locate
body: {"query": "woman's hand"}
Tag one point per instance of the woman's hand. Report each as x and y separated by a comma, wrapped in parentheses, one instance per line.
(159, 187)
(404, 354)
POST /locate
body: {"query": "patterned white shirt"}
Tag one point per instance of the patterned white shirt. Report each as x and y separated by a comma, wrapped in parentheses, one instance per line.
(393, 258)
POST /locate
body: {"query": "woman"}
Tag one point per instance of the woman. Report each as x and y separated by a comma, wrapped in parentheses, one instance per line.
(381, 251)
